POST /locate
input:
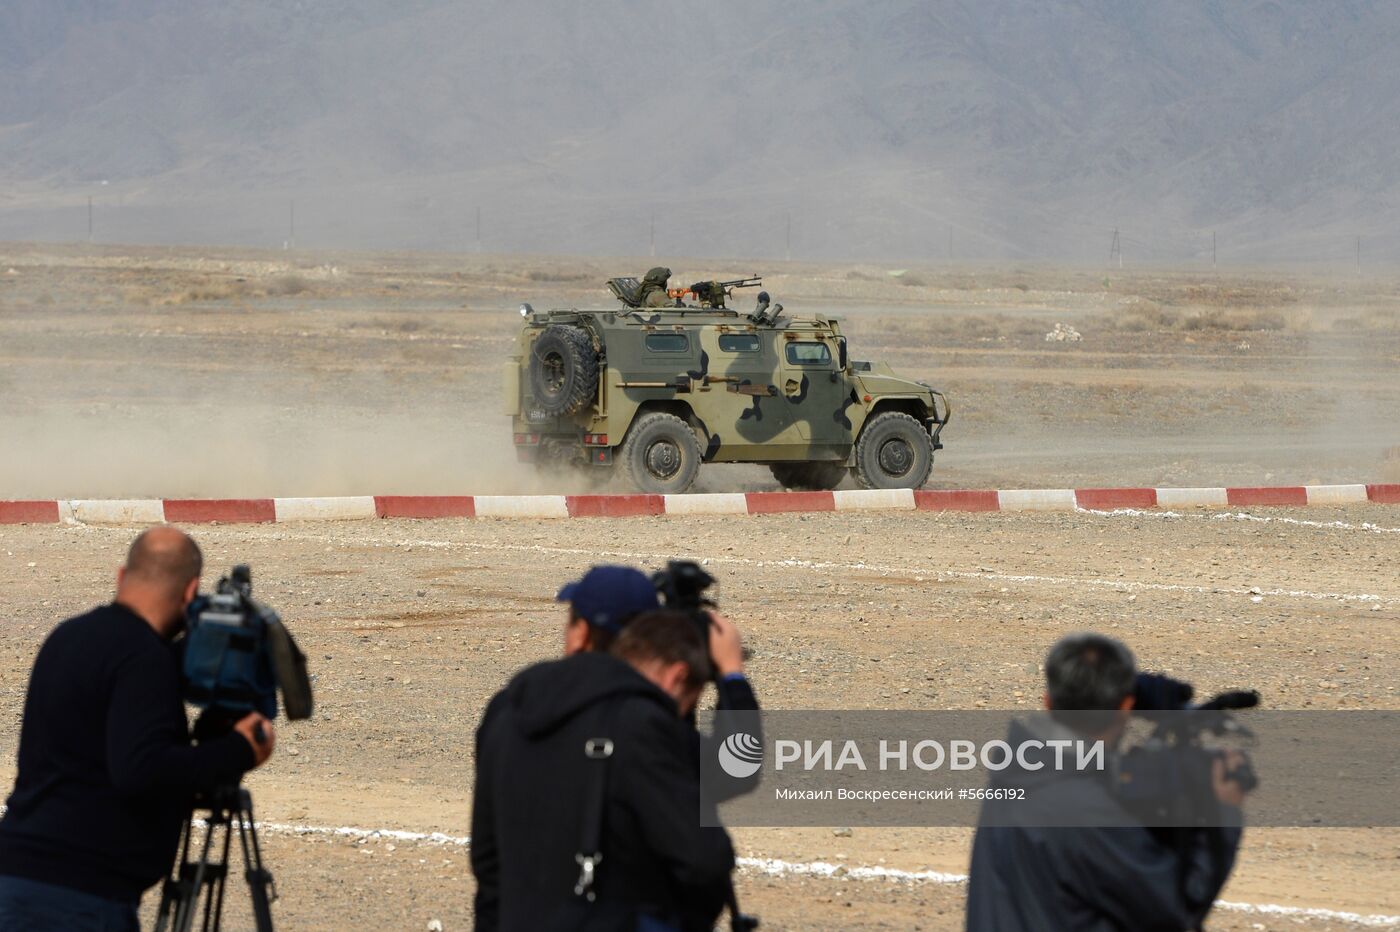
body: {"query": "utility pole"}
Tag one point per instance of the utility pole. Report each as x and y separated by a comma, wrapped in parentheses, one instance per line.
(1212, 249)
(1115, 250)
(1358, 255)
(478, 229)
(292, 224)
(653, 234)
(89, 218)
(787, 253)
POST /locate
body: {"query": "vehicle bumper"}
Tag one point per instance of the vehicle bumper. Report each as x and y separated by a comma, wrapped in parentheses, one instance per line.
(936, 424)
(537, 448)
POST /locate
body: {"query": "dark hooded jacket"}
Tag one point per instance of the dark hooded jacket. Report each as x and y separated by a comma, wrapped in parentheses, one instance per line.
(532, 783)
(1026, 876)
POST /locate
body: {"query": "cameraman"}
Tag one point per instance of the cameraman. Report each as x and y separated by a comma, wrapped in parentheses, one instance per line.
(106, 769)
(1028, 876)
(541, 803)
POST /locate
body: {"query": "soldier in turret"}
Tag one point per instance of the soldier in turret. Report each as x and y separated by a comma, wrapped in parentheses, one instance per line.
(653, 290)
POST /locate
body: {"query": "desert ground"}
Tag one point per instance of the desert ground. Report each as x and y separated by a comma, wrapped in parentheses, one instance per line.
(142, 372)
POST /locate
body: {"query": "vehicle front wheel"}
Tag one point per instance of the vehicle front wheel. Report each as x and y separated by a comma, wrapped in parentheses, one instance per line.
(893, 452)
(662, 454)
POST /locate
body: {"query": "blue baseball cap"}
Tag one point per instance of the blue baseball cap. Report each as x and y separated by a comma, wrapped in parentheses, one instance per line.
(608, 596)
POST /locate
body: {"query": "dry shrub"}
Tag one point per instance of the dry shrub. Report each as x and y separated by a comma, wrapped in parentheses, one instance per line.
(1369, 322)
(1242, 319)
(286, 285)
(986, 327)
(214, 290)
(1148, 316)
(221, 289)
(975, 328)
(912, 281)
(391, 325)
(139, 297)
(1236, 295)
(555, 275)
(1144, 316)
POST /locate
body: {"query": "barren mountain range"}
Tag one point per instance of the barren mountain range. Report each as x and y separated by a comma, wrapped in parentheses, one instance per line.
(927, 129)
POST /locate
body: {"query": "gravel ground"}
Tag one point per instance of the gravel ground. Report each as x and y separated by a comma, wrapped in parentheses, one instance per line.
(168, 372)
(410, 626)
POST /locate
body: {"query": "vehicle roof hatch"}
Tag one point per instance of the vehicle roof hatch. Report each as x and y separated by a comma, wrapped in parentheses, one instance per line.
(626, 290)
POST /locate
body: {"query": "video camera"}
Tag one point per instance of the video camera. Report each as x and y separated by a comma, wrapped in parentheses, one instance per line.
(682, 586)
(1166, 780)
(238, 655)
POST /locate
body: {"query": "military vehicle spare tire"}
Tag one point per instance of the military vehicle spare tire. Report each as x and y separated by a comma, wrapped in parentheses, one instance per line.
(893, 452)
(662, 454)
(809, 477)
(563, 370)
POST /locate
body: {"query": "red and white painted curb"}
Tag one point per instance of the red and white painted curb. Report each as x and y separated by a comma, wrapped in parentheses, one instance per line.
(348, 508)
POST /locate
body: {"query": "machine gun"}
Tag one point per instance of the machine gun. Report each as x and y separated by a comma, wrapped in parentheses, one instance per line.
(712, 293)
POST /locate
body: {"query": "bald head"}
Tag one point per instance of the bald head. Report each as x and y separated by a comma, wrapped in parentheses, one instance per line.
(163, 559)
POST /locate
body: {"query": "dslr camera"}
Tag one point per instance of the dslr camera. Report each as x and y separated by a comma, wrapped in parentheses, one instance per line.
(238, 656)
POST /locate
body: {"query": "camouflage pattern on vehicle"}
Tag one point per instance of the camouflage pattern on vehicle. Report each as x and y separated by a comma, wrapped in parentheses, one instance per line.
(659, 391)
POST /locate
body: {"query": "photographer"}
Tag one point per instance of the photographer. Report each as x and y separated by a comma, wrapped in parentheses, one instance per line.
(1114, 872)
(600, 605)
(106, 769)
(586, 808)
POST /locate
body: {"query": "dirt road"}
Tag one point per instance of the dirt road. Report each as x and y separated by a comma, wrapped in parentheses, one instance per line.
(250, 373)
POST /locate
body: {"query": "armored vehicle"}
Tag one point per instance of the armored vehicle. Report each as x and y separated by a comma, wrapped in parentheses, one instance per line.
(659, 391)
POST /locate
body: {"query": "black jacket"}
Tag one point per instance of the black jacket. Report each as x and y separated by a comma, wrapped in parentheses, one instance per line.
(106, 770)
(1025, 877)
(736, 695)
(531, 789)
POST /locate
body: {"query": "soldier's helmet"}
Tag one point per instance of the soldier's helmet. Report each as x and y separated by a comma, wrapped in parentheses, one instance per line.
(657, 276)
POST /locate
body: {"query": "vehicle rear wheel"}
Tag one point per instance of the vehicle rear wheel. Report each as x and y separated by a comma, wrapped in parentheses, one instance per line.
(893, 452)
(809, 477)
(563, 370)
(662, 454)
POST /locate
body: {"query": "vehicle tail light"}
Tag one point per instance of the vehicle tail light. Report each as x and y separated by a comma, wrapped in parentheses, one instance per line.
(595, 440)
(526, 439)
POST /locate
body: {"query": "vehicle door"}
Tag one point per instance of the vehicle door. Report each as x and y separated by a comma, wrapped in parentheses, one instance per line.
(815, 387)
(753, 419)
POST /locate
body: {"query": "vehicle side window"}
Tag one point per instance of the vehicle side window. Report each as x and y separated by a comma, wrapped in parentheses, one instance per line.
(808, 354)
(738, 342)
(668, 342)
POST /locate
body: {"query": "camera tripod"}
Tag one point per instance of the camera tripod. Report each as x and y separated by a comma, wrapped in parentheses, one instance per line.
(204, 878)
